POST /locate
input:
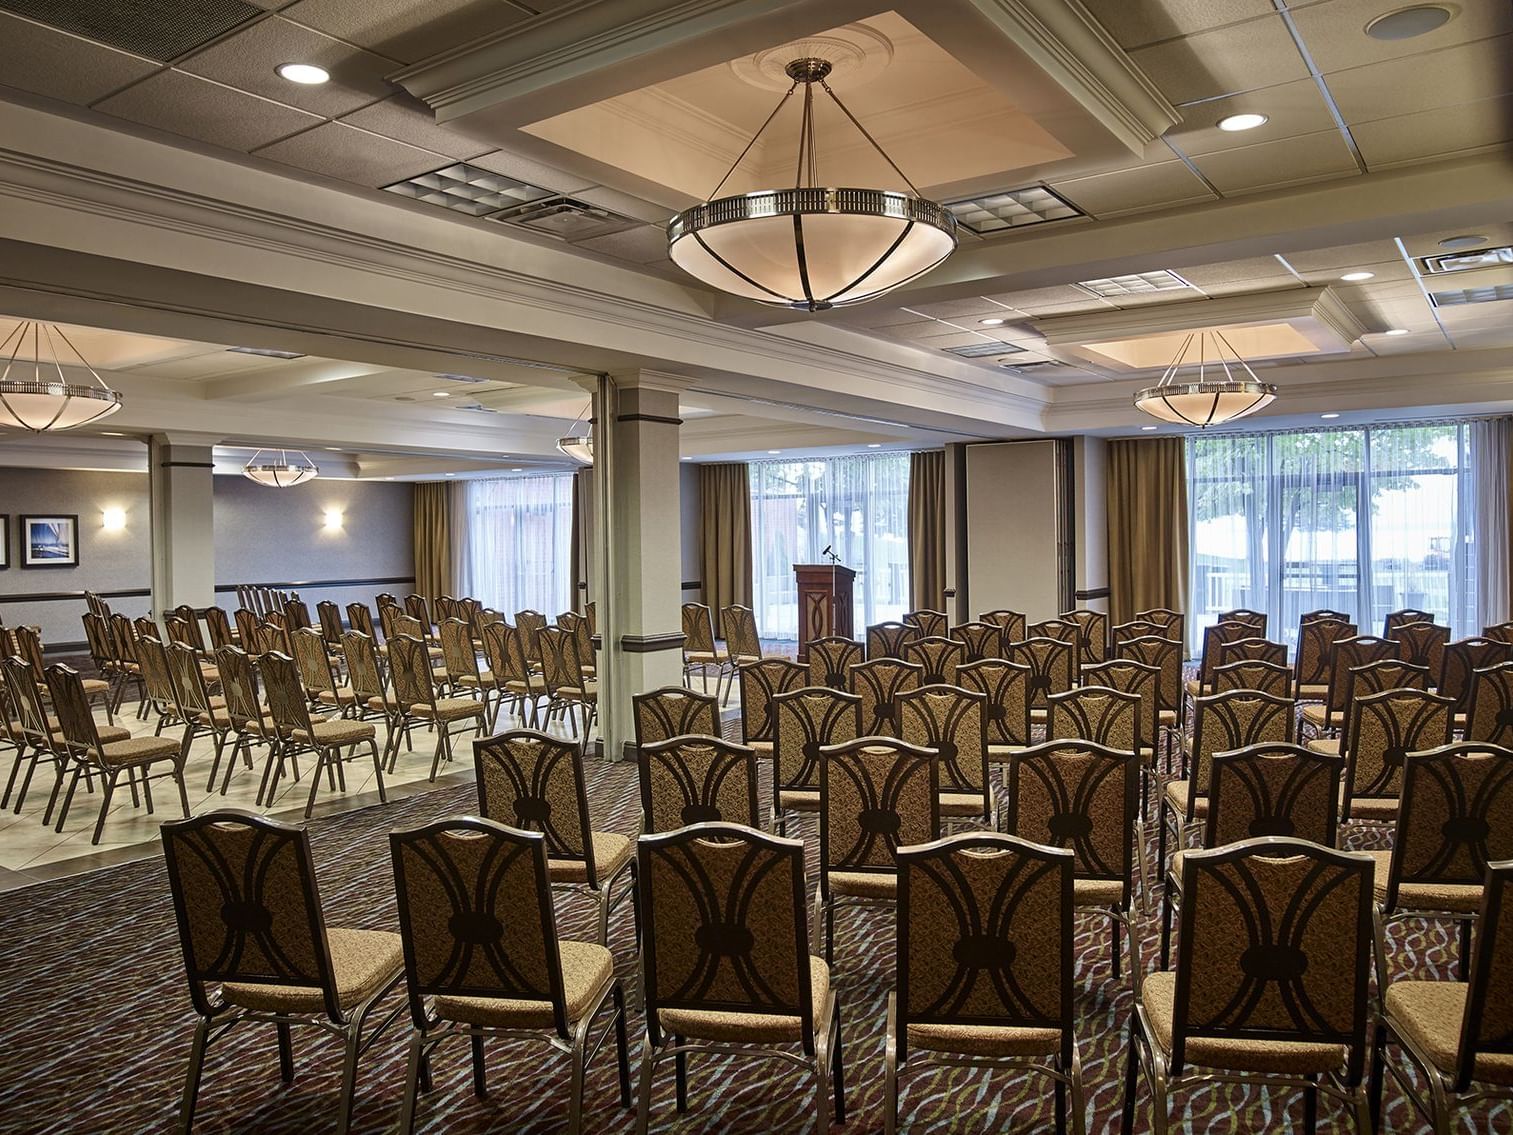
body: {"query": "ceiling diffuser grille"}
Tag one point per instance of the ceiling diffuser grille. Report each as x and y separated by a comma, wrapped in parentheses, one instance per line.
(565, 217)
(983, 350)
(157, 29)
(1465, 296)
(1011, 209)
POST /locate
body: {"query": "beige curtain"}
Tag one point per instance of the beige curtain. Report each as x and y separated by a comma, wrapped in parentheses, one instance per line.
(725, 509)
(583, 537)
(433, 538)
(1147, 526)
(927, 530)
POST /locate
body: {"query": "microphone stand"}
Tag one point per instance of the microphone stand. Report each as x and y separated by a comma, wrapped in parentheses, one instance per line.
(834, 559)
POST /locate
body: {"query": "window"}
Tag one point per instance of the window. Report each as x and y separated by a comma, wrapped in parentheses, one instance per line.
(857, 505)
(1364, 521)
(519, 543)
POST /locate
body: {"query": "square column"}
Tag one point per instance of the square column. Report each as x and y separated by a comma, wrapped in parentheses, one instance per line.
(182, 494)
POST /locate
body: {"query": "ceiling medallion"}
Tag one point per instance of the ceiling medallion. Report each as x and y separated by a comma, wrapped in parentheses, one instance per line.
(45, 400)
(283, 473)
(811, 247)
(1206, 401)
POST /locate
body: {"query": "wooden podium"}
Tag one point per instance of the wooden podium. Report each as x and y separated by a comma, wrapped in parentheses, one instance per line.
(820, 614)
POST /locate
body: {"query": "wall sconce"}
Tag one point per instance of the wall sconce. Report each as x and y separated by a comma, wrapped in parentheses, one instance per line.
(333, 519)
(113, 519)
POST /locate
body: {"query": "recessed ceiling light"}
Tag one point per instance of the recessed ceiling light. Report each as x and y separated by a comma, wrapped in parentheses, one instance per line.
(441, 394)
(1357, 277)
(517, 470)
(874, 445)
(1406, 23)
(451, 474)
(107, 433)
(1326, 417)
(1461, 243)
(991, 322)
(305, 74)
(1147, 429)
(1234, 123)
(1396, 331)
(774, 452)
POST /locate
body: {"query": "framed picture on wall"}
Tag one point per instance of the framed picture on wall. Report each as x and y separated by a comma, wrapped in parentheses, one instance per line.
(5, 541)
(49, 541)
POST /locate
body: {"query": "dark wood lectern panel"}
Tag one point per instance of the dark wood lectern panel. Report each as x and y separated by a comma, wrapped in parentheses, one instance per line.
(824, 603)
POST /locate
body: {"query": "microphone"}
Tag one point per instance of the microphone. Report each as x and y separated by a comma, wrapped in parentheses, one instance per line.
(826, 552)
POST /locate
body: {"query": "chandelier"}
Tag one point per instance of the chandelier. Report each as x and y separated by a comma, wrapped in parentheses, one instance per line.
(580, 447)
(811, 247)
(282, 473)
(38, 402)
(1207, 401)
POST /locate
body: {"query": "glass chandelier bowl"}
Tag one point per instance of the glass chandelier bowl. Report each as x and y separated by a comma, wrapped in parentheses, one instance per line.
(580, 447)
(283, 472)
(1205, 401)
(811, 247)
(36, 395)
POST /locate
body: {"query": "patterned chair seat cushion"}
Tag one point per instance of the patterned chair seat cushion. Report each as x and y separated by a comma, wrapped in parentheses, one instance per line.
(985, 1040)
(710, 1024)
(1429, 1013)
(586, 970)
(612, 851)
(864, 884)
(337, 731)
(1462, 898)
(362, 963)
(138, 750)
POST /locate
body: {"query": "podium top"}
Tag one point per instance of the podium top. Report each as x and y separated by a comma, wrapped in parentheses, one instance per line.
(840, 569)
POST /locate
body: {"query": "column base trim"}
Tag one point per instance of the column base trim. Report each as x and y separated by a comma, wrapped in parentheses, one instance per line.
(650, 644)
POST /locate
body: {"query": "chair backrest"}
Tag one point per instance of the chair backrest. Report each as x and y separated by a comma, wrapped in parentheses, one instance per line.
(1273, 789)
(97, 636)
(808, 719)
(1463, 659)
(1062, 630)
(1052, 663)
(761, 682)
(313, 660)
(1383, 729)
(1345, 654)
(1136, 628)
(459, 653)
(1131, 677)
(1403, 618)
(1295, 922)
(123, 635)
(240, 687)
(410, 671)
(1106, 717)
(931, 624)
(1499, 632)
(329, 615)
(249, 630)
(493, 640)
(1081, 796)
(698, 629)
(831, 659)
(1005, 686)
(288, 702)
(673, 711)
(529, 780)
(879, 682)
(742, 642)
(1235, 720)
(1317, 634)
(275, 631)
(1092, 638)
(360, 618)
(1256, 620)
(188, 678)
(363, 671)
(1011, 623)
(886, 640)
(1487, 1027)
(1389, 674)
(475, 913)
(1253, 649)
(529, 624)
(218, 626)
(951, 721)
(1166, 655)
(1489, 713)
(248, 909)
(1455, 818)
(419, 609)
(25, 703)
(1174, 621)
(981, 640)
(723, 925)
(296, 612)
(877, 794)
(156, 675)
(191, 628)
(29, 646)
(985, 936)
(71, 704)
(1251, 674)
(577, 626)
(1213, 637)
(1422, 644)
(692, 779)
(938, 659)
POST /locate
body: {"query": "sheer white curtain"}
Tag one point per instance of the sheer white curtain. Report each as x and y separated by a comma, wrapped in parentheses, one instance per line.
(857, 505)
(1363, 521)
(1492, 457)
(519, 543)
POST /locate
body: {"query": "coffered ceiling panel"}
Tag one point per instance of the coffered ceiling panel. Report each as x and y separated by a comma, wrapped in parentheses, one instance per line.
(403, 29)
(1287, 161)
(198, 108)
(53, 63)
(1334, 31)
(248, 60)
(1446, 130)
(1135, 24)
(531, 172)
(1132, 190)
(1409, 84)
(644, 245)
(1251, 274)
(407, 120)
(1241, 57)
(1292, 109)
(354, 155)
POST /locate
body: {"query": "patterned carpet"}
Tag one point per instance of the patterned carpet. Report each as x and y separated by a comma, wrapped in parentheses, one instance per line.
(97, 1025)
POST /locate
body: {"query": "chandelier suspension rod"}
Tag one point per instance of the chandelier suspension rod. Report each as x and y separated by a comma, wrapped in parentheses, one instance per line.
(715, 192)
(871, 140)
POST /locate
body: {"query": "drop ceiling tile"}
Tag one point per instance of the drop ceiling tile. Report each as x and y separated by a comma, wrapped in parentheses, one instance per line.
(976, 307)
(351, 155)
(531, 172)
(1427, 244)
(197, 108)
(1483, 339)
(1258, 271)
(1335, 35)
(248, 60)
(1060, 295)
(644, 245)
(403, 29)
(1132, 190)
(407, 119)
(626, 204)
(1431, 133)
(1134, 25)
(1284, 162)
(917, 332)
(48, 62)
(1466, 73)
(1344, 257)
(888, 317)
(1241, 57)
(1292, 109)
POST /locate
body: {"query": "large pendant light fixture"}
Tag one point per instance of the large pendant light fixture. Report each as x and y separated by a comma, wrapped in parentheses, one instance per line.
(281, 472)
(580, 447)
(811, 247)
(1206, 399)
(38, 396)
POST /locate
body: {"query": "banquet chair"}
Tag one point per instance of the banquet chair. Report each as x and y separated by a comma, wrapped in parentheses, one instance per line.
(701, 651)
(1005, 687)
(416, 703)
(938, 659)
(930, 624)
(298, 732)
(879, 682)
(1092, 634)
(981, 640)
(674, 711)
(761, 683)
(806, 720)
(831, 659)
(951, 721)
(696, 779)
(887, 640)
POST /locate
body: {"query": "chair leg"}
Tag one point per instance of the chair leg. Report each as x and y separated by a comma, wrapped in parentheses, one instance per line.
(1131, 1078)
(192, 1075)
(1378, 1073)
(285, 1054)
(837, 1075)
(1311, 1109)
(68, 797)
(378, 772)
(622, 1048)
(680, 1076)
(890, 1069)
(348, 1078)
(1166, 925)
(412, 1083)
(579, 1058)
(110, 787)
(322, 759)
(822, 1083)
(178, 777)
(643, 1087)
(1079, 1097)
(480, 1076)
(1114, 928)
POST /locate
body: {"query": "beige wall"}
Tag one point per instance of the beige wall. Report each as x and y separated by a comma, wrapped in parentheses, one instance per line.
(1013, 528)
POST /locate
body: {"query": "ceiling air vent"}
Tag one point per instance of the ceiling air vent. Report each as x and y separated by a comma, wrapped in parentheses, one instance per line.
(565, 218)
(143, 27)
(982, 350)
(1465, 261)
(461, 378)
(1136, 283)
(1011, 209)
(468, 189)
(1031, 366)
(1462, 296)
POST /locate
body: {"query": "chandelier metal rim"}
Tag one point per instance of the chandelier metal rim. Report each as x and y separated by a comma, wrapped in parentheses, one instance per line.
(809, 200)
(285, 473)
(1212, 390)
